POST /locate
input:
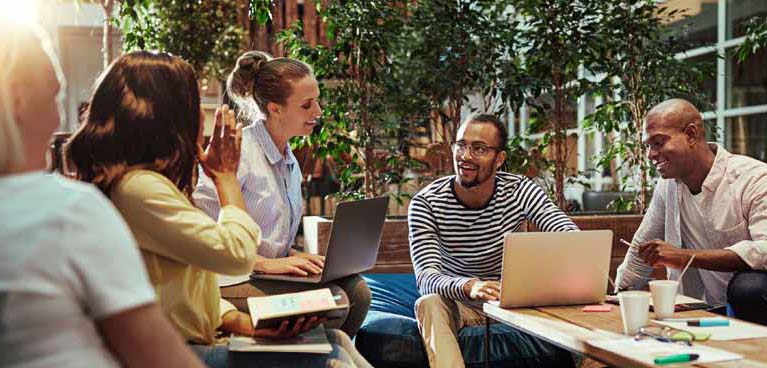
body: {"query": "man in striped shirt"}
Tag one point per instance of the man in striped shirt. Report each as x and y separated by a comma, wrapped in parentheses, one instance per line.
(457, 225)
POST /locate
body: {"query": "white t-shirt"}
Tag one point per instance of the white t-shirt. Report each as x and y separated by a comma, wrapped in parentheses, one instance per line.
(707, 285)
(66, 260)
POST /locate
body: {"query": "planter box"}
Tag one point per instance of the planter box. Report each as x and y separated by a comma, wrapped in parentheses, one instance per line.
(394, 254)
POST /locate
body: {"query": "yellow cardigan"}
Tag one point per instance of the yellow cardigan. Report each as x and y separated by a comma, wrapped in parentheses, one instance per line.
(184, 249)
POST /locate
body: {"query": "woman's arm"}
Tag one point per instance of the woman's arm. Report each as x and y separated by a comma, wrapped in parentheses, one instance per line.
(142, 337)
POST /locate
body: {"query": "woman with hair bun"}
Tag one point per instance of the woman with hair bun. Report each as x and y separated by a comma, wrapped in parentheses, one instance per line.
(279, 99)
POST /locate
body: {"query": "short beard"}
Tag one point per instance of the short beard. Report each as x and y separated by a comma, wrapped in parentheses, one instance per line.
(468, 185)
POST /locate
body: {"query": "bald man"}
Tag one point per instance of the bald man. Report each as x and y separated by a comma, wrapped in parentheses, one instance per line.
(710, 204)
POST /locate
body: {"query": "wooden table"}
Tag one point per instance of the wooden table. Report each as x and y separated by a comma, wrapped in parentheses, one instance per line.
(569, 327)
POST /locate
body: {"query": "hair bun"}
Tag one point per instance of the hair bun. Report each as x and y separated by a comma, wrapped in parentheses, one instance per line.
(251, 61)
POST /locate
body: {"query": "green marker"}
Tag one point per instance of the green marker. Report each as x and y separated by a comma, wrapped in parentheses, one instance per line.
(676, 358)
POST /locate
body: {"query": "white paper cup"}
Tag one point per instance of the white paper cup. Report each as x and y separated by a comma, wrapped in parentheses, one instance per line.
(635, 306)
(663, 297)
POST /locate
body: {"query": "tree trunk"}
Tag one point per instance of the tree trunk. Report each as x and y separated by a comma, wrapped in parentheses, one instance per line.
(106, 41)
(243, 19)
(560, 143)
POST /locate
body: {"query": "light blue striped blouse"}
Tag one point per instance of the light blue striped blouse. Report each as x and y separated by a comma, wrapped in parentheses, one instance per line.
(271, 187)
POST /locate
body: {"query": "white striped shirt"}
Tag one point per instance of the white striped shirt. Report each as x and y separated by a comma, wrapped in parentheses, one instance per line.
(451, 244)
(271, 188)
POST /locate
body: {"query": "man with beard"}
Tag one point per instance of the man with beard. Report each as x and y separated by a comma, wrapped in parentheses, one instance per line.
(709, 204)
(457, 225)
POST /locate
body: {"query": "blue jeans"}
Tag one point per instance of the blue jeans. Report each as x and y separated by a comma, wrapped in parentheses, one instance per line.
(747, 296)
(219, 356)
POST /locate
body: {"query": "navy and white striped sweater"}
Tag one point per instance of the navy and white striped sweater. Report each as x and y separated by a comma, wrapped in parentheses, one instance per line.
(451, 243)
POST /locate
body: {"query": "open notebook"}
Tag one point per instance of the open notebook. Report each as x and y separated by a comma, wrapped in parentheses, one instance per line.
(270, 311)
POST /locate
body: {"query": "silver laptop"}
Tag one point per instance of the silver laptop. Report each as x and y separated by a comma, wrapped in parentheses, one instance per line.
(355, 237)
(562, 268)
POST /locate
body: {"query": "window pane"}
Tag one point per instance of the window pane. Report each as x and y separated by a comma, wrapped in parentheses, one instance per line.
(746, 80)
(747, 135)
(696, 20)
(709, 83)
(739, 12)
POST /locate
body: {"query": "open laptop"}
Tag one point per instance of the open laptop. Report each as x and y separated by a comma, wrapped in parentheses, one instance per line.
(557, 268)
(353, 245)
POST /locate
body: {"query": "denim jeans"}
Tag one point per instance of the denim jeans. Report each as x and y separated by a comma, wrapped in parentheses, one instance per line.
(747, 296)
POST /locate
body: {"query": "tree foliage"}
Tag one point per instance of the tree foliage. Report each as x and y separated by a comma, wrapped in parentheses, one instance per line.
(639, 71)
(362, 126)
(756, 38)
(204, 33)
(557, 38)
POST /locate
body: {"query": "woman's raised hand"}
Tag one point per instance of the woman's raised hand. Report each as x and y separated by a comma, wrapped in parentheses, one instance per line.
(222, 156)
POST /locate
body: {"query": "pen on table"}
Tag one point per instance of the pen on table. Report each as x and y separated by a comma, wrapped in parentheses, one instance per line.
(676, 358)
(612, 283)
(709, 322)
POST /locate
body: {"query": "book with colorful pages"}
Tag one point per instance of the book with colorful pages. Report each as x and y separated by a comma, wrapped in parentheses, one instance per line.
(270, 311)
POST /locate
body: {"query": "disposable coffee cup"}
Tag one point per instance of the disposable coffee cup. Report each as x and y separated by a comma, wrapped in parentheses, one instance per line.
(635, 306)
(663, 297)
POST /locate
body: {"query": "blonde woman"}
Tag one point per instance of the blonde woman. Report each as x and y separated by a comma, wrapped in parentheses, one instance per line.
(279, 100)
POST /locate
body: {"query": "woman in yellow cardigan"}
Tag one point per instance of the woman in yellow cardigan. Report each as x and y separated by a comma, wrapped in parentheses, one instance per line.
(140, 144)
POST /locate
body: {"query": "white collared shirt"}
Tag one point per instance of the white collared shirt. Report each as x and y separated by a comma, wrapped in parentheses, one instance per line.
(271, 188)
(734, 204)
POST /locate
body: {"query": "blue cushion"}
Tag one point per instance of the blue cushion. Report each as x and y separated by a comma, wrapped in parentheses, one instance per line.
(389, 335)
(390, 340)
(393, 293)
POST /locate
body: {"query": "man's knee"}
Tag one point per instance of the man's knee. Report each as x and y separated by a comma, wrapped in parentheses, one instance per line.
(428, 304)
(747, 288)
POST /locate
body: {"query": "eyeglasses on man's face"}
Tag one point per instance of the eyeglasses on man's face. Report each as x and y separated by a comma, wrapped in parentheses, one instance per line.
(475, 149)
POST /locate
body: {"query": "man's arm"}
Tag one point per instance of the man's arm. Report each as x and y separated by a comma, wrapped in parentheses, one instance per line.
(142, 337)
(658, 253)
(425, 252)
(541, 211)
(754, 252)
(742, 256)
(633, 273)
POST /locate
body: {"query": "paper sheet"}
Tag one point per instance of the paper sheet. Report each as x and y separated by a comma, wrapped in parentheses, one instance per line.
(646, 351)
(737, 330)
(314, 341)
(226, 280)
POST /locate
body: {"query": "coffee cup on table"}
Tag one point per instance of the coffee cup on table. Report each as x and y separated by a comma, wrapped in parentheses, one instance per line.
(663, 297)
(635, 306)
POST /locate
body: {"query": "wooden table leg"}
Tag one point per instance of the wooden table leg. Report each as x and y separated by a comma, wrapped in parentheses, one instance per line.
(487, 341)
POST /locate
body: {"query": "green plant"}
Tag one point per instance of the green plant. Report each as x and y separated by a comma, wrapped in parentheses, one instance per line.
(362, 128)
(639, 70)
(207, 34)
(756, 38)
(557, 37)
(456, 49)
